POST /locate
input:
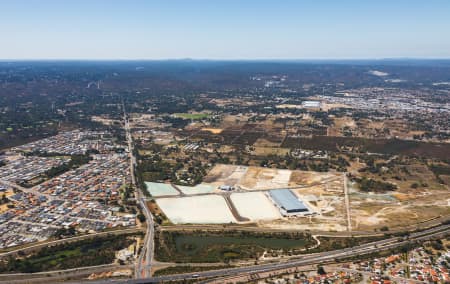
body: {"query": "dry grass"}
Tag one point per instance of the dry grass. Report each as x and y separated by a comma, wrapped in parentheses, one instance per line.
(3, 208)
(154, 208)
(265, 151)
(408, 208)
(261, 142)
(213, 130)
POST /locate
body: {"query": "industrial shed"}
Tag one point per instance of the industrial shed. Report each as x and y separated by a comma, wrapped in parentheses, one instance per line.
(287, 201)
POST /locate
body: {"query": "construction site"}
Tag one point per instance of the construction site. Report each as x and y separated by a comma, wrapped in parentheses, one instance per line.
(255, 195)
(291, 200)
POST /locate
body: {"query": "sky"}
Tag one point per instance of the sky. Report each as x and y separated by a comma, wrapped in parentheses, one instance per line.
(224, 29)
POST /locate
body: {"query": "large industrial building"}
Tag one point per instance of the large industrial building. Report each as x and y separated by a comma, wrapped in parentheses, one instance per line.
(287, 201)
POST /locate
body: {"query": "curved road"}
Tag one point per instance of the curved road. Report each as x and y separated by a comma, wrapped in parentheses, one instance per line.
(68, 240)
(317, 258)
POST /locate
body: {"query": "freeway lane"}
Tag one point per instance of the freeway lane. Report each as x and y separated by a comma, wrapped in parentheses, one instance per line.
(317, 258)
(144, 260)
(68, 240)
(310, 259)
(57, 276)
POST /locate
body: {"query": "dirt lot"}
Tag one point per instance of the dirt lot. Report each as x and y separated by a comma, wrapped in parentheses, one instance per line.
(261, 178)
(339, 124)
(4, 207)
(257, 178)
(264, 142)
(213, 130)
(324, 194)
(225, 174)
(266, 151)
(397, 209)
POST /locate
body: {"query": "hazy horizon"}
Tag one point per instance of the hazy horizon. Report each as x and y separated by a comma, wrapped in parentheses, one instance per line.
(224, 30)
(228, 59)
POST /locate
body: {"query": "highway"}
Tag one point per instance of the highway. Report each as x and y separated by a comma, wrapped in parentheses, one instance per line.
(310, 259)
(58, 276)
(38, 246)
(317, 258)
(145, 258)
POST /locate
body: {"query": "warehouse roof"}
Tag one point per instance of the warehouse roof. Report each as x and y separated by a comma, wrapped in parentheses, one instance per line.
(287, 200)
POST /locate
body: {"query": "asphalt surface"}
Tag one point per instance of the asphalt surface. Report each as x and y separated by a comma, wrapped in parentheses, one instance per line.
(68, 240)
(317, 258)
(143, 264)
(144, 260)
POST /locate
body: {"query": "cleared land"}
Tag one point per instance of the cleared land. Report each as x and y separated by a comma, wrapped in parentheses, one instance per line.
(205, 209)
(160, 189)
(198, 189)
(226, 174)
(323, 193)
(254, 206)
(396, 209)
(213, 130)
(260, 178)
(193, 116)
